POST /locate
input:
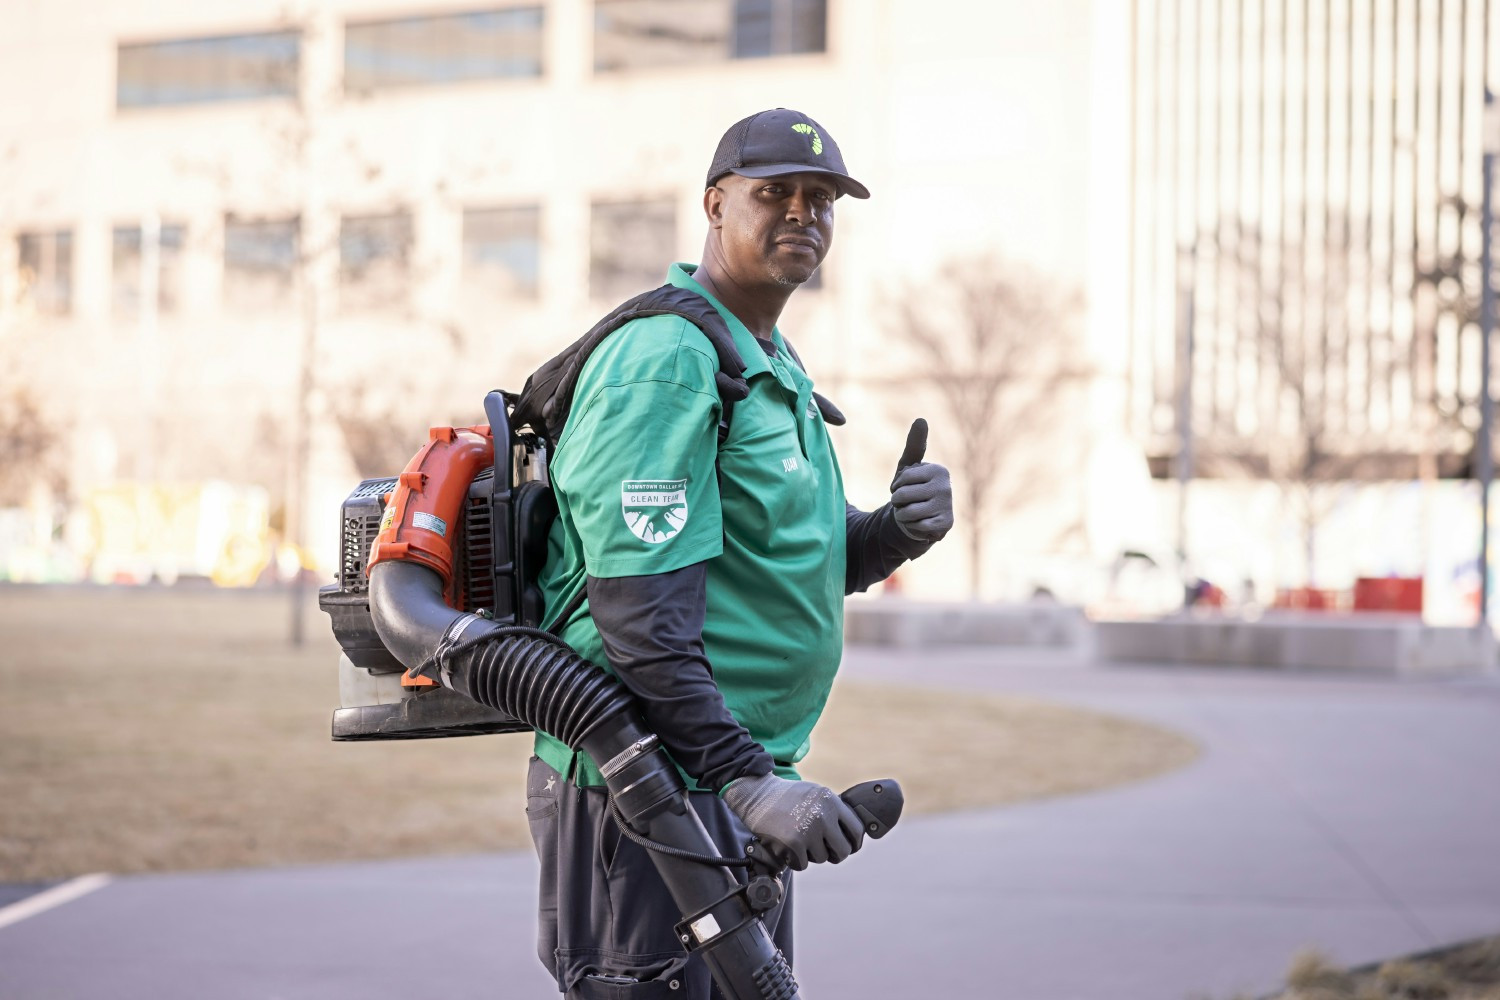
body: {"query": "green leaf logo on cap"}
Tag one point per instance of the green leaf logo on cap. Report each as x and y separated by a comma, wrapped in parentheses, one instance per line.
(806, 129)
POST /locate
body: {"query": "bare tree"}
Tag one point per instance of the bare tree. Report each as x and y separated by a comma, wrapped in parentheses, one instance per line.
(380, 439)
(997, 344)
(1291, 440)
(29, 434)
(368, 260)
(1304, 352)
(368, 263)
(27, 447)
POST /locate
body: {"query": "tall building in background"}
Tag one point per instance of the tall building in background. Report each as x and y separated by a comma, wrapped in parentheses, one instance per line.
(1304, 274)
(1305, 212)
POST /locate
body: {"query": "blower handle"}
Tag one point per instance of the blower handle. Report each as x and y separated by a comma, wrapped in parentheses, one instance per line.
(878, 803)
(494, 410)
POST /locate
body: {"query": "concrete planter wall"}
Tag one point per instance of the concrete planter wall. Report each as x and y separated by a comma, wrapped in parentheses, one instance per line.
(908, 624)
(1366, 643)
(1383, 644)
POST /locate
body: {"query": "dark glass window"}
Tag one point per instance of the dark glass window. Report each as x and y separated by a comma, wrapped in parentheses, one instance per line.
(128, 266)
(634, 33)
(260, 263)
(375, 258)
(201, 70)
(479, 45)
(630, 34)
(46, 266)
(630, 246)
(502, 252)
(779, 27)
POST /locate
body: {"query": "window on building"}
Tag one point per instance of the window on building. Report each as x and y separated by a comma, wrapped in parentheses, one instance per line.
(479, 45)
(630, 246)
(779, 27)
(46, 271)
(205, 70)
(375, 259)
(260, 263)
(502, 253)
(630, 34)
(133, 261)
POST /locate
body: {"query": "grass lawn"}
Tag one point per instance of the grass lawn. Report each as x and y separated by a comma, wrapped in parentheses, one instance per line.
(174, 729)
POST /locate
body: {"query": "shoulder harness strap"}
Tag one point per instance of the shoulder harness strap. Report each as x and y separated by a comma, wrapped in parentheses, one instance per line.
(831, 414)
(547, 398)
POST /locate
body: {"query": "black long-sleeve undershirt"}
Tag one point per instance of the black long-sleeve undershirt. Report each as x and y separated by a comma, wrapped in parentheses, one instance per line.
(874, 546)
(652, 629)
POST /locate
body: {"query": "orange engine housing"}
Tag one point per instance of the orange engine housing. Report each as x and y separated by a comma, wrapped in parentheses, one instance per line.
(423, 513)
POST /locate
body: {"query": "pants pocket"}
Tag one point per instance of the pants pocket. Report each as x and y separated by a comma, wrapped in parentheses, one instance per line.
(543, 787)
(598, 975)
(618, 988)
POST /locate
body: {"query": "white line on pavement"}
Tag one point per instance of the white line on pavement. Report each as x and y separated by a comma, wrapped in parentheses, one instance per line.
(55, 896)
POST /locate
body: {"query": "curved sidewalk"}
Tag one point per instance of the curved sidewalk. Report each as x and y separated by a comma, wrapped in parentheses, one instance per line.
(1362, 817)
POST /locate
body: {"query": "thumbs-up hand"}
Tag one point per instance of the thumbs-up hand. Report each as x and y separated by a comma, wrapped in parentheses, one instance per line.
(921, 496)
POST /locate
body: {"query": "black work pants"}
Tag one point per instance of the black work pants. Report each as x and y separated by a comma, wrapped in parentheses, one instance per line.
(605, 916)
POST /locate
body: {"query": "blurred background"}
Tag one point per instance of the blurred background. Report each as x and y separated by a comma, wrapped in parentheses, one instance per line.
(1195, 295)
(1190, 292)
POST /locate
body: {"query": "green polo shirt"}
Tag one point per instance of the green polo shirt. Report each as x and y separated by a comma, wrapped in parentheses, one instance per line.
(637, 494)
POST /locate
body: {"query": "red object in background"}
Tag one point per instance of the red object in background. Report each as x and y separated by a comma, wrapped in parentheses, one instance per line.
(1208, 595)
(1395, 593)
(1307, 599)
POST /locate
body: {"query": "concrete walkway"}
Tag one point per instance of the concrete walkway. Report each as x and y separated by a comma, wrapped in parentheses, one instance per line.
(1361, 817)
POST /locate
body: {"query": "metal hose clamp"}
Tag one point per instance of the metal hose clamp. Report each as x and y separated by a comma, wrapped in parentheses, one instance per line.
(621, 760)
(439, 658)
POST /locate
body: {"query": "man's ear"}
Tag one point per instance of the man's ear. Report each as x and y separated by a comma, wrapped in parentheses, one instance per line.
(713, 207)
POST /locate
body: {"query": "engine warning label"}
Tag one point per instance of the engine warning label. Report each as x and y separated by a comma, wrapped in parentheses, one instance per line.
(430, 522)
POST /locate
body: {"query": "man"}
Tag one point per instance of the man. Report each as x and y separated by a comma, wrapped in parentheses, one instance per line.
(714, 573)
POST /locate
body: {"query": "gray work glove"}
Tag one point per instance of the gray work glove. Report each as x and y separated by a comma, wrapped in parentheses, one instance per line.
(921, 495)
(800, 821)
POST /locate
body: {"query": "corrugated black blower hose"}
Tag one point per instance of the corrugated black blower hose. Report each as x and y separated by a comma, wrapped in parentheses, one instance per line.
(535, 678)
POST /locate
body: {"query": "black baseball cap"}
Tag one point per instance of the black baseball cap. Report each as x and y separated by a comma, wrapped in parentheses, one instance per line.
(772, 143)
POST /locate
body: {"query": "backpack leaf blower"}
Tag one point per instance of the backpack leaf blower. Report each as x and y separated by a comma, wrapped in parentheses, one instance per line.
(442, 640)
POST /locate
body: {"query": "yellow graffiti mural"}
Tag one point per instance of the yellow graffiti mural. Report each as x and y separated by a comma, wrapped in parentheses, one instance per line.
(141, 531)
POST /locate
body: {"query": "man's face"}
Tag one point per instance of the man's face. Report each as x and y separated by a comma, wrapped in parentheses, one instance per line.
(773, 229)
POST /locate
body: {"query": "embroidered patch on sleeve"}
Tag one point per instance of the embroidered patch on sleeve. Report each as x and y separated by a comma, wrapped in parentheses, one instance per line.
(654, 509)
